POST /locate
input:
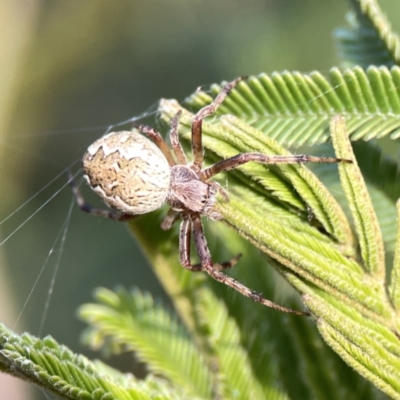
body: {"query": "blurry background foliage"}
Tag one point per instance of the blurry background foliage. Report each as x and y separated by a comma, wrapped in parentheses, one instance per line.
(68, 65)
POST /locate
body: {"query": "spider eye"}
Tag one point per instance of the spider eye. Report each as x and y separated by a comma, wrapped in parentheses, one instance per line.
(128, 171)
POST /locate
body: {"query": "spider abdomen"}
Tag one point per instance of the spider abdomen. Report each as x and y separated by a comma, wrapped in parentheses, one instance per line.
(128, 171)
(189, 193)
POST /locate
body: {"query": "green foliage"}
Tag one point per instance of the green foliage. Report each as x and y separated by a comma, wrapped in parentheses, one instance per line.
(135, 321)
(370, 39)
(331, 235)
(334, 270)
(295, 108)
(71, 376)
(236, 336)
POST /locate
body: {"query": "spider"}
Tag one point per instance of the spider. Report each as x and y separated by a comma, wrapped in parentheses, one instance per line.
(134, 175)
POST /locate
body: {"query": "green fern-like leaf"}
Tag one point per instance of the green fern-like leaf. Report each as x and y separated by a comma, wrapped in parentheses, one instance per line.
(173, 355)
(136, 322)
(56, 369)
(295, 109)
(369, 40)
(381, 188)
(244, 365)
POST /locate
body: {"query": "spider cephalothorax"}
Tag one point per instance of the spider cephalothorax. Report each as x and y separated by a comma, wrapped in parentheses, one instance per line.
(135, 175)
(187, 192)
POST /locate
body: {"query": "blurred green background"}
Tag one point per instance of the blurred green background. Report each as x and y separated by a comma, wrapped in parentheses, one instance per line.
(71, 68)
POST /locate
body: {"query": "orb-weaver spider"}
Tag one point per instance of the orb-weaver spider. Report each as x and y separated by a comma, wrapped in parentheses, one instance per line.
(135, 175)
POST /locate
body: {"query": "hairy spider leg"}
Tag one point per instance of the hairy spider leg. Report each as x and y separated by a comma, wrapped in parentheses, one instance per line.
(209, 268)
(158, 140)
(98, 212)
(175, 142)
(184, 248)
(197, 145)
(171, 217)
(240, 159)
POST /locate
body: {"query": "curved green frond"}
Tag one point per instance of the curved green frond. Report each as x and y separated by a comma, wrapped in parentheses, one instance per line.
(365, 220)
(367, 347)
(381, 176)
(295, 109)
(56, 369)
(369, 40)
(172, 355)
(135, 322)
(368, 344)
(239, 336)
(226, 340)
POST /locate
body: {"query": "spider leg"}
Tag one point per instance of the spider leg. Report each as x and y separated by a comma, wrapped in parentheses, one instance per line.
(197, 145)
(184, 250)
(184, 246)
(158, 140)
(240, 159)
(207, 266)
(175, 143)
(98, 212)
(171, 217)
